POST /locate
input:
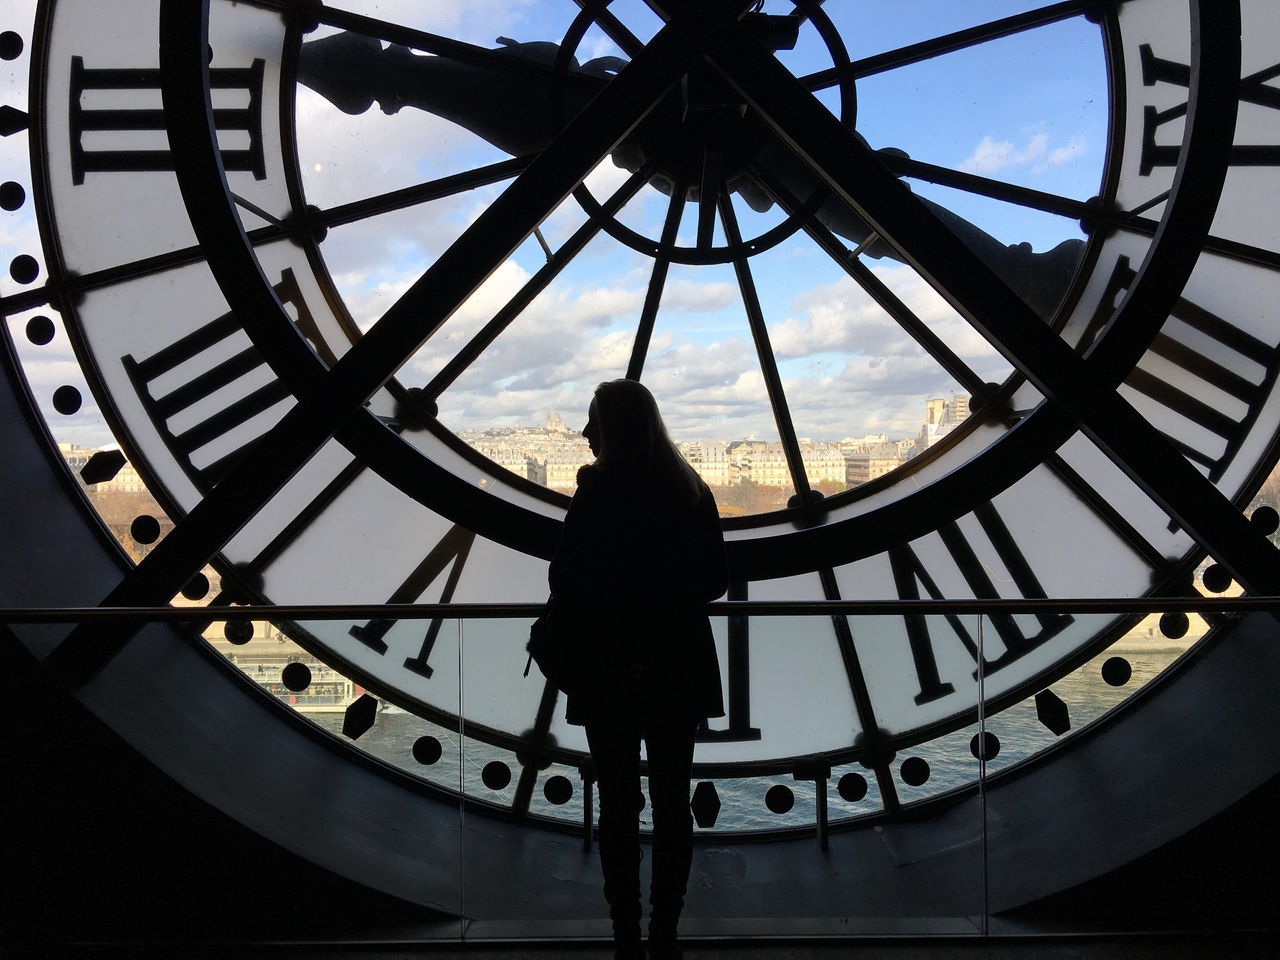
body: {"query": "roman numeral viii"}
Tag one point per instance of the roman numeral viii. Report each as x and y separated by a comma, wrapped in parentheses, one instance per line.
(117, 121)
(1253, 89)
(210, 394)
(910, 575)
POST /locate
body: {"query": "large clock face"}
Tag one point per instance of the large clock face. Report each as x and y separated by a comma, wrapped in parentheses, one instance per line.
(310, 311)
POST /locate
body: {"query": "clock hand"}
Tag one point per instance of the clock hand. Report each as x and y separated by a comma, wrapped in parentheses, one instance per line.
(520, 113)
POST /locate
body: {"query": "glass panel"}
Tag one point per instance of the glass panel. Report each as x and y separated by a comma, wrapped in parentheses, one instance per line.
(1068, 740)
(351, 716)
(575, 333)
(1087, 692)
(419, 557)
(786, 802)
(325, 695)
(922, 670)
(345, 157)
(375, 259)
(863, 395)
(1037, 253)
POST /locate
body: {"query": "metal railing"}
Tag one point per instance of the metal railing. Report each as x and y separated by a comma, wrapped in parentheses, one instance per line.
(722, 608)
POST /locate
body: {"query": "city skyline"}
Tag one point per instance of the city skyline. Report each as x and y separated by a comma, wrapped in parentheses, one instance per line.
(563, 449)
(751, 475)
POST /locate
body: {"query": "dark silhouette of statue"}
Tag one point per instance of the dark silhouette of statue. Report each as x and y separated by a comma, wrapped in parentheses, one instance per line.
(519, 96)
(640, 556)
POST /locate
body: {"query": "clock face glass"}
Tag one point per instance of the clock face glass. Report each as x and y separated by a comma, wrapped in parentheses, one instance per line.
(866, 439)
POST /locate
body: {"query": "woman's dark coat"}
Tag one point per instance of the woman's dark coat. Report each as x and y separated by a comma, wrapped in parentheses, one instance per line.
(634, 567)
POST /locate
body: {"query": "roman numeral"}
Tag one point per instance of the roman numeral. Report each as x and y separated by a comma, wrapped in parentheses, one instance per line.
(1212, 357)
(910, 575)
(1253, 89)
(134, 123)
(451, 552)
(204, 378)
(738, 674)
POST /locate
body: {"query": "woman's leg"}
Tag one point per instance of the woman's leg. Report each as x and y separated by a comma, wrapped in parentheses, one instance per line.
(669, 744)
(615, 754)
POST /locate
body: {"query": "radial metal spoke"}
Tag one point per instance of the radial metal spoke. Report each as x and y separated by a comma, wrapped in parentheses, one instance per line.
(764, 353)
(985, 186)
(951, 42)
(657, 282)
(334, 216)
(136, 269)
(420, 193)
(469, 353)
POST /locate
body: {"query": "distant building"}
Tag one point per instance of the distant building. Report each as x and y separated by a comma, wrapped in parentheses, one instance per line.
(862, 444)
(562, 468)
(762, 463)
(823, 463)
(863, 466)
(711, 462)
(517, 461)
(940, 418)
(766, 463)
(552, 454)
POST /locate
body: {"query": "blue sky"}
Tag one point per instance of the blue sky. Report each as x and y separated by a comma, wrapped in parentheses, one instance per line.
(1028, 109)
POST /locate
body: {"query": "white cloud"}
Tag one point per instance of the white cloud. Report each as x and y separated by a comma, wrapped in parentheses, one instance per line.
(841, 317)
(688, 296)
(993, 156)
(1065, 154)
(367, 303)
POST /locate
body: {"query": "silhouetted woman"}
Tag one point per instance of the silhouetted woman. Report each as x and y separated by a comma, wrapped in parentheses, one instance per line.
(640, 555)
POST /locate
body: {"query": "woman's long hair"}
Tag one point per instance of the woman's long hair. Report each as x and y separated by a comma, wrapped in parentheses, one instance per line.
(632, 438)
